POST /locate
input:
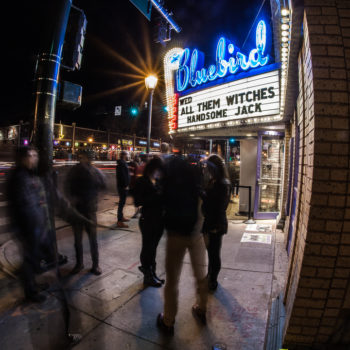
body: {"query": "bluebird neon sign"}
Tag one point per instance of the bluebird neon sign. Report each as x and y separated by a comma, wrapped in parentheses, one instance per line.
(229, 60)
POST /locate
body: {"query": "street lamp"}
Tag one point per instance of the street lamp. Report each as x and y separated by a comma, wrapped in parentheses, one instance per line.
(151, 83)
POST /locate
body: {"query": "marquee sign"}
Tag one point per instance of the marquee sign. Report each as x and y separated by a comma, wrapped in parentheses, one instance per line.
(238, 86)
(255, 96)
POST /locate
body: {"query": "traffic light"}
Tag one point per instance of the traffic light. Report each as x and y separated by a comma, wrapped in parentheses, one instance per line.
(74, 39)
(134, 111)
(232, 140)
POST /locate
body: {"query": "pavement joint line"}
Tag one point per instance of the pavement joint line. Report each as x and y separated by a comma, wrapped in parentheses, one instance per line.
(137, 336)
(233, 269)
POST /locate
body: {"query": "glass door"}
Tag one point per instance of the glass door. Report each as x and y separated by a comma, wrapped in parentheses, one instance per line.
(269, 174)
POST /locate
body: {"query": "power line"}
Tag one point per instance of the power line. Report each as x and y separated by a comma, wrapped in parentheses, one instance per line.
(253, 23)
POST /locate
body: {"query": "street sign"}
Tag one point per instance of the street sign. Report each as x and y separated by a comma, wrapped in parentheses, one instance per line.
(144, 6)
(117, 111)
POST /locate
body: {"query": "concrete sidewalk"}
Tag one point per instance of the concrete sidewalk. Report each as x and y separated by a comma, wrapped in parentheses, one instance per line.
(113, 311)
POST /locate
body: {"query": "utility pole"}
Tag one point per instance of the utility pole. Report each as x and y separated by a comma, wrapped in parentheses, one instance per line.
(46, 82)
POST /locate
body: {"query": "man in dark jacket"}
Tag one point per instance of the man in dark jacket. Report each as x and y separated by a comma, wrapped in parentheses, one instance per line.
(183, 222)
(83, 184)
(31, 200)
(123, 182)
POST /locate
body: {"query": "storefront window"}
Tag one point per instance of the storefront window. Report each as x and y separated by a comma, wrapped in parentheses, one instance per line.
(270, 174)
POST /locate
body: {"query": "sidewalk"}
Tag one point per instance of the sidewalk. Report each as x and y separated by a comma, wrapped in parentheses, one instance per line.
(113, 311)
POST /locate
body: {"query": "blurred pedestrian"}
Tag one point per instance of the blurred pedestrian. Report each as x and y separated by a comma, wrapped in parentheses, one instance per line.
(216, 200)
(83, 183)
(148, 195)
(31, 202)
(183, 222)
(30, 218)
(123, 182)
(133, 171)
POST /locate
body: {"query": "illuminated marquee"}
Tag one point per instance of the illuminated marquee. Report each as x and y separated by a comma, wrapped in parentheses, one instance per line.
(256, 96)
(191, 71)
(224, 93)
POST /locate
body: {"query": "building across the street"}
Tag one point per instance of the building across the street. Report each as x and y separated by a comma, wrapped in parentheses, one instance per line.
(71, 139)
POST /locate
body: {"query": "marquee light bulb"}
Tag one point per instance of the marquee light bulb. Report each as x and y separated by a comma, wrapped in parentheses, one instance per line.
(285, 12)
(285, 26)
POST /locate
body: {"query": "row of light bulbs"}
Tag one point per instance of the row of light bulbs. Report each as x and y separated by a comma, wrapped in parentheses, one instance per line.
(285, 47)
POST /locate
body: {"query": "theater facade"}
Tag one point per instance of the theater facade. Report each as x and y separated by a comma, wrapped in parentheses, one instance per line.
(286, 99)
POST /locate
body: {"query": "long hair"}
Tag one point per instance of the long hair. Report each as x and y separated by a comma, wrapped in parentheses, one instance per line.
(153, 165)
(217, 167)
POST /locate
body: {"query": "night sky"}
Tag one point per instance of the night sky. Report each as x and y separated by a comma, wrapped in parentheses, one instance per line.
(118, 37)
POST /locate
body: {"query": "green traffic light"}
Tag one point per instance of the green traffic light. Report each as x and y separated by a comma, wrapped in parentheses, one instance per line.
(134, 111)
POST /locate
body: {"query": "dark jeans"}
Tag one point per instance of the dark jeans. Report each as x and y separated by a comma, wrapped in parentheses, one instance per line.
(213, 243)
(152, 231)
(32, 254)
(78, 236)
(122, 199)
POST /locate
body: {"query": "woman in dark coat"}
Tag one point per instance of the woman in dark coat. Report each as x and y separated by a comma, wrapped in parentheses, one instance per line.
(147, 194)
(215, 202)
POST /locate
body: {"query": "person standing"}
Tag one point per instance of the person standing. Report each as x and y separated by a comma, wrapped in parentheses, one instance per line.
(31, 209)
(123, 182)
(216, 200)
(183, 222)
(83, 183)
(148, 195)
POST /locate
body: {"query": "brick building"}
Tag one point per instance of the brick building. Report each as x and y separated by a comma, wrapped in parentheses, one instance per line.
(317, 228)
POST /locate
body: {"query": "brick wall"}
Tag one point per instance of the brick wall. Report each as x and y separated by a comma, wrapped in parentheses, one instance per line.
(317, 289)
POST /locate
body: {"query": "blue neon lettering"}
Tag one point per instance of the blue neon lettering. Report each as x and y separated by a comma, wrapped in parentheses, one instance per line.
(183, 73)
(195, 74)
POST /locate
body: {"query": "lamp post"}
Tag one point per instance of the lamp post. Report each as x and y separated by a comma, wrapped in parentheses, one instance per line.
(151, 83)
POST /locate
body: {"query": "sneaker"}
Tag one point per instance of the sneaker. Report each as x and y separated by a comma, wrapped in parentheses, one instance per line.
(96, 271)
(124, 220)
(199, 314)
(213, 286)
(42, 286)
(121, 224)
(74, 339)
(77, 268)
(167, 330)
(35, 297)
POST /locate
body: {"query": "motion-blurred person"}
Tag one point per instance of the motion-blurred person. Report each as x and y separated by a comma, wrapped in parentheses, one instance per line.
(216, 200)
(30, 218)
(83, 183)
(133, 172)
(123, 182)
(148, 195)
(183, 222)
(31, 200)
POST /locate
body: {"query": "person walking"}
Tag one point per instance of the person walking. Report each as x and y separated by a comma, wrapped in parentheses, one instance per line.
(31, 202)
(183, 222)
(148, 195)
(133, 172)
(123, 182)
(215, 202)
(83, 183)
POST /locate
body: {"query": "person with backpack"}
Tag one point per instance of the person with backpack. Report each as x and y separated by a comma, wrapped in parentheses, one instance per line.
(183, 222)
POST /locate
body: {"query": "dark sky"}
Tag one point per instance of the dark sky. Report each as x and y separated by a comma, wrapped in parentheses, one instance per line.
(116, 32)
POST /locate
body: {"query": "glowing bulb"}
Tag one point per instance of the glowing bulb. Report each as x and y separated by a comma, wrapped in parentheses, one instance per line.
(284, 12)
(284, 26)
